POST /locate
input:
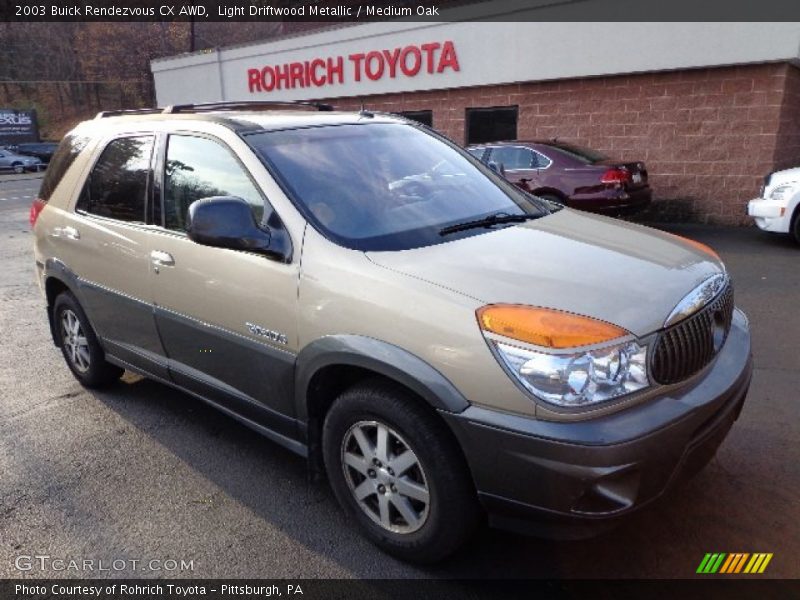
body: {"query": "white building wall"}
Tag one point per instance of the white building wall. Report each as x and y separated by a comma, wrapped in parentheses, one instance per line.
(488, 53)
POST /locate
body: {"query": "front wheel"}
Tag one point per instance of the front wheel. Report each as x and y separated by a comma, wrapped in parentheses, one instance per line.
(18, 168)
(795, 229)
(79, 344)
(397, 471)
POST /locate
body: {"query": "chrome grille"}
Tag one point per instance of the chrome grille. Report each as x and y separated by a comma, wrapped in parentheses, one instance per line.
(686, 347)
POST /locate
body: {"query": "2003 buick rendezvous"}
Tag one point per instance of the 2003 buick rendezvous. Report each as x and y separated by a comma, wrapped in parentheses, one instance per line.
(365, 293)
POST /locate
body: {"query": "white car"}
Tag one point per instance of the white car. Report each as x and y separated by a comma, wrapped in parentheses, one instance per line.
(778, 208)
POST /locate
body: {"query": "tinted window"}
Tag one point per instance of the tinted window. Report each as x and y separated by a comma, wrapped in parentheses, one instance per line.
(583, 155)
(512, 157)
(200, 168)
(69, 149)
(117, 186)
(384, 186)
(491, 124)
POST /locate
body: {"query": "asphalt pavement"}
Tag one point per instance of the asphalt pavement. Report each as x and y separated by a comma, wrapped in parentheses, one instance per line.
(140, 472)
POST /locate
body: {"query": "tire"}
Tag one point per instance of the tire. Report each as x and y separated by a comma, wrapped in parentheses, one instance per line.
(795, 228)
(408, 528)
(79, 345)
(18, 168)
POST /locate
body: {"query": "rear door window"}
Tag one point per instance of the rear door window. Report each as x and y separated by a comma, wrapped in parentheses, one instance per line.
(69, 149)
(117, 186)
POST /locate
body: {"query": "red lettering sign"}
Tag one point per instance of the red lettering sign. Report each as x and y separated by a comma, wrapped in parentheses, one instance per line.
(406, 61)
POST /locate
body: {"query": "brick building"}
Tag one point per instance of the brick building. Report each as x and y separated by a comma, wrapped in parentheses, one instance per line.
(710, 107)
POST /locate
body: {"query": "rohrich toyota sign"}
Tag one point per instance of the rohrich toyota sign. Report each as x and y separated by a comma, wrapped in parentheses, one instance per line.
(401, 62)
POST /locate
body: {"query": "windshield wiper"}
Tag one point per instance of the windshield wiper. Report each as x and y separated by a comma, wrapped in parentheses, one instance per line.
(490, 221)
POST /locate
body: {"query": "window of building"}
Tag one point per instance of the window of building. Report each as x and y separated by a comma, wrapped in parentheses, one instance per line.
(198, 168)
(117, 186)
(491, 124)
(420, 116)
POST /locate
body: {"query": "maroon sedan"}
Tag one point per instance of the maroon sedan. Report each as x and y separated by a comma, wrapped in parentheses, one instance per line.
(579, 177)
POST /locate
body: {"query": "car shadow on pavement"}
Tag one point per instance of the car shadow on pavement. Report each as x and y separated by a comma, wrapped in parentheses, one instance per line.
(273, 483)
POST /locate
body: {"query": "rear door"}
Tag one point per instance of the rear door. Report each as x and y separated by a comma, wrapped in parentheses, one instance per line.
(227, 317)
(104, 241)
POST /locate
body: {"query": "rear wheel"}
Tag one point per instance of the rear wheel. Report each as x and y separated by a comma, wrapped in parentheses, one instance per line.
(79, 344)
(398, 473)
(18, 168)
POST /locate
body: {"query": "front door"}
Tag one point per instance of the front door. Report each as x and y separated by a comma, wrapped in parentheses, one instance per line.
(518, 163)
(227, 318)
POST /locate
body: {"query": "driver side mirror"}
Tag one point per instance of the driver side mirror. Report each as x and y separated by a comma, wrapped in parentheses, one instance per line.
(228, 222)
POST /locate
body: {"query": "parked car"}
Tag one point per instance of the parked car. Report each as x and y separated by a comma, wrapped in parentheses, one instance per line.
(778, 208)
(41, 150)
(578, 177)
(358, 289)
(10, 161)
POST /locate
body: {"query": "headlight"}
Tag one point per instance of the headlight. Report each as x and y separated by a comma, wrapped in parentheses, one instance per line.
(580, 378)
(781, 193)
(578, 361)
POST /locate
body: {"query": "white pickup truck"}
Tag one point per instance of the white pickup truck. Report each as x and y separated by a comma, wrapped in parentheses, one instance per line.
(778, 208)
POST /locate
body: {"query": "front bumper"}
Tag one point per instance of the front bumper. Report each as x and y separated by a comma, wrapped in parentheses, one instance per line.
(580, 476)
(770, 215)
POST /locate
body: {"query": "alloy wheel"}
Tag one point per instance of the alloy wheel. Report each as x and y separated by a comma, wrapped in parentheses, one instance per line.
(74, 339)
(385, 477)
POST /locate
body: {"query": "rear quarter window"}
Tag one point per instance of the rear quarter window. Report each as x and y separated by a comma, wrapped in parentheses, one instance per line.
(68, 150)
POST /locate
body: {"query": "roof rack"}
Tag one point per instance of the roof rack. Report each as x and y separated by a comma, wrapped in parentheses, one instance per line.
(242, 104)
(208, 106)
(129, 111)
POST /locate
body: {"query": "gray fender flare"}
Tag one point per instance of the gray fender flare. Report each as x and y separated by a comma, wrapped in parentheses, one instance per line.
(55, 269)
(381, 357)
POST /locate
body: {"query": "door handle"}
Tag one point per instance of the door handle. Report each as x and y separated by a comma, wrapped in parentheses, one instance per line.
(67, 232)
(161, 259)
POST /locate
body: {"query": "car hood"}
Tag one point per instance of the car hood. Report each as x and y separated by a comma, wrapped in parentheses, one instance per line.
(619, 272)
(783, 177)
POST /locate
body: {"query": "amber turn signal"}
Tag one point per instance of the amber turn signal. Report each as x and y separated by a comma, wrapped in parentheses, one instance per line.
(698, 246)
(546, 327)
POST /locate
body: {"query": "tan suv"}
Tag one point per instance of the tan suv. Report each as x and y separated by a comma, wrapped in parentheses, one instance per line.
(440, 343)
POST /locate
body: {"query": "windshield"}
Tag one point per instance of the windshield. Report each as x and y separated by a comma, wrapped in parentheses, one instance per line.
(385, 186)
(584, 155)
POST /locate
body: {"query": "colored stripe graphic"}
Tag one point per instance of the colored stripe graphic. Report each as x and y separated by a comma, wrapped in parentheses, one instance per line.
(720, 562)
(734, 563)
(711, 562)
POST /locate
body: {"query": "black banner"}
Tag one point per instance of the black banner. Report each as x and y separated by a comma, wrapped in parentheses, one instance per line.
(411, 589)
(338, 11)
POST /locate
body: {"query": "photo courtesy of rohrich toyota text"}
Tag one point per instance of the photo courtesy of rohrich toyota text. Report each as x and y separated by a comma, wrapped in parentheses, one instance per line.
(399, 299)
